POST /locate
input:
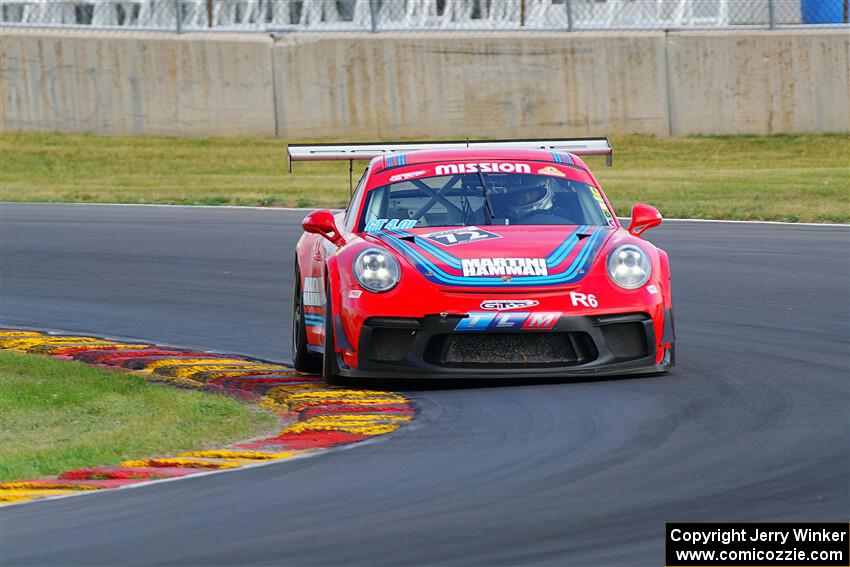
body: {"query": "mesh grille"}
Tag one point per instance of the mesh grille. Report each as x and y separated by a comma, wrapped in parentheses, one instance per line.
(390, 345)
(509, 349)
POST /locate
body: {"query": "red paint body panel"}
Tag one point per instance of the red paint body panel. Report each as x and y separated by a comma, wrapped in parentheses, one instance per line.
(417, 295)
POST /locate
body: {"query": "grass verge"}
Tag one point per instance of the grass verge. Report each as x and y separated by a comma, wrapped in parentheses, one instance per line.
(57, 415)
(783, 177)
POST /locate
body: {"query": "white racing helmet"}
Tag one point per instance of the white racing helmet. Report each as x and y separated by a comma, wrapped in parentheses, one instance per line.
(530, 195)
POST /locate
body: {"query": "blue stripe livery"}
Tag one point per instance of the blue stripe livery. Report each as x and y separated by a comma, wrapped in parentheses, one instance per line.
(435, 274)
(562, 158)
(552, 260)
(396, 160)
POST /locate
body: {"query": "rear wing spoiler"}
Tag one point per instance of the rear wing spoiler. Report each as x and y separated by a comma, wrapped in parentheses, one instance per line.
(367, 151)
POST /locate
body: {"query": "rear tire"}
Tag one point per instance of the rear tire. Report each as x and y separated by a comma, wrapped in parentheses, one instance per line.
(302, 359)
(330, 368)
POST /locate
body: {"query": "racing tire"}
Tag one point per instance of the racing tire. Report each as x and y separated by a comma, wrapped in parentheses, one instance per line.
(302, 359)
(330, 367)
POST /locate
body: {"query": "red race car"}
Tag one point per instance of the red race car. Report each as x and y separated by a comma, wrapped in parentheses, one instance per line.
(478, 259)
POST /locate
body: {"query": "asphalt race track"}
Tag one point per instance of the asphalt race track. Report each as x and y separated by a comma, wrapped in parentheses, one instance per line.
(753, 424)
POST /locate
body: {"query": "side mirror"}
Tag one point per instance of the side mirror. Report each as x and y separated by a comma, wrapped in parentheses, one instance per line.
(322, 223)
(644, 217)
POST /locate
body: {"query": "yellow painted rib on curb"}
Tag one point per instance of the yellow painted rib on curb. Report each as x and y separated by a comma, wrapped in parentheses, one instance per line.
(241, 455)
(7, 496)
(193, 463)
(188, 371)
(27, 342)
(44, 485)
(190, 361)
(28, 490)
(213, 374)
(277, 399)
(368, 424)
(114, 346)
(20, 334)
(48, 348)
(353, 395)
(284, 397)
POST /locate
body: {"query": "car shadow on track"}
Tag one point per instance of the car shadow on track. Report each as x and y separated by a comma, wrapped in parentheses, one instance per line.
(413, 385)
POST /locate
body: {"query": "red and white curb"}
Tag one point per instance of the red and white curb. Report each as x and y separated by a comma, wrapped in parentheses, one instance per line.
(319, 416)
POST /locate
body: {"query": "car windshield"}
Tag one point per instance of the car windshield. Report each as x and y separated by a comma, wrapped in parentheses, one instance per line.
(484, 198)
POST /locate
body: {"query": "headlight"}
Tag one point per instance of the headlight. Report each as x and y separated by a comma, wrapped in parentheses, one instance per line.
(376, 270)
(629, 266)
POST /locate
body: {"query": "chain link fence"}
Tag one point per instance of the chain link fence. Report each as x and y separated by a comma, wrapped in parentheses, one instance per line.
(418, 15)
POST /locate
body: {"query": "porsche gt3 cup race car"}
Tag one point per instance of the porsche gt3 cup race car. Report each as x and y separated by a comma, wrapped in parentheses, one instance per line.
(478, 259)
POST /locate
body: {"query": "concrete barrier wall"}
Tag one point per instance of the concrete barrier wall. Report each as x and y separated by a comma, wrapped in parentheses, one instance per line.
(759, 82)
(450, 85)
(136, 83)
(362, 86)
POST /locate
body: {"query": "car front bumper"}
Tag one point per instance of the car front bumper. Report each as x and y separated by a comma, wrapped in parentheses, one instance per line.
(432, 347)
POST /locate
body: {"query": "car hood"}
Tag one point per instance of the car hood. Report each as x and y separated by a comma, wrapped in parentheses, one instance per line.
(499, 256)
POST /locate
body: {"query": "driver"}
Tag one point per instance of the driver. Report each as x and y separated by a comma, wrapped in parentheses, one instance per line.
(531, 196)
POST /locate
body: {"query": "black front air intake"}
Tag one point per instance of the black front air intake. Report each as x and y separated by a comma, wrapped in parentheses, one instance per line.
(626, 341)
(390, 344)
(510, 349)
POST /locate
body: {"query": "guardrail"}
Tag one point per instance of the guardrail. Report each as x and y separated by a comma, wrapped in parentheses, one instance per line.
(418, 15)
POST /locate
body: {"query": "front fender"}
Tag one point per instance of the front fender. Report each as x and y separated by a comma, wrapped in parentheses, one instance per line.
(664, 278)
(333, 301)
